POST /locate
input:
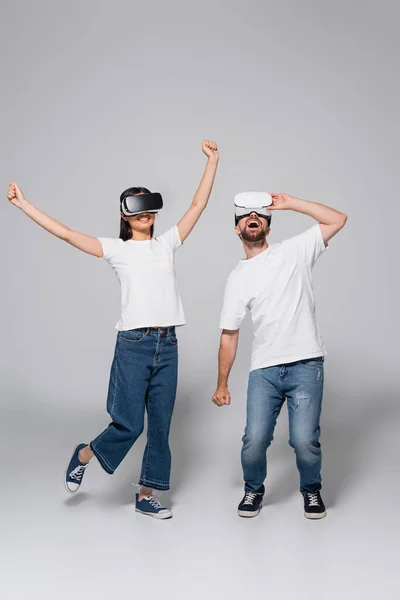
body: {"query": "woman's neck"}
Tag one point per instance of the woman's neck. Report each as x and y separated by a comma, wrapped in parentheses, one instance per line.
(139, 236)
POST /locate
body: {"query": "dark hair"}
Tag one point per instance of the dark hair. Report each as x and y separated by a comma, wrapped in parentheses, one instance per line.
(125, 231)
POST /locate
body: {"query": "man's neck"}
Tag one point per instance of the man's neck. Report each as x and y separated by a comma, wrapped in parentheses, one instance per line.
(252, 249)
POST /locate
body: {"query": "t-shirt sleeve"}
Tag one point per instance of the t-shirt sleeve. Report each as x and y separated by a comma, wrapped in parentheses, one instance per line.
(309, 245)
(233, 308)
(171, 239)
(111, 248)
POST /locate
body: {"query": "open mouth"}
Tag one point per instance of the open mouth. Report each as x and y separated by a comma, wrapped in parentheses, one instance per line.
(253, 224)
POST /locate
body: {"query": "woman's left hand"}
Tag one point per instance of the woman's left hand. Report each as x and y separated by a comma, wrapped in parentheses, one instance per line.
(210, 149)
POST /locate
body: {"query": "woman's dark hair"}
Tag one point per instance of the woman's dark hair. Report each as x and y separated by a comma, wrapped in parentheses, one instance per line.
(125, 231)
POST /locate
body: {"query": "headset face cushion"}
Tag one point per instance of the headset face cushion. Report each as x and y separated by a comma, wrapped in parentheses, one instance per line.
(244, 212)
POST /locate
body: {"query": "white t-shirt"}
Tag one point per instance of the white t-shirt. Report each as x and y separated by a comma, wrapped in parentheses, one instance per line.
(146, 273)
(276, 286)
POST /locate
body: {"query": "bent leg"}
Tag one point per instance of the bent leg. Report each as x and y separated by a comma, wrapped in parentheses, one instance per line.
(129, 380)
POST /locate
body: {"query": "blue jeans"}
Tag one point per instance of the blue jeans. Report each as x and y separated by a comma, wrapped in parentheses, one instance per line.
(301, 384)
(143, 378)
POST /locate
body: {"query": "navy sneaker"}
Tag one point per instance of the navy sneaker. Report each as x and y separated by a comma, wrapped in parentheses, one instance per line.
(75, 471)
(250, 506)
(314, 507)
(152, 507)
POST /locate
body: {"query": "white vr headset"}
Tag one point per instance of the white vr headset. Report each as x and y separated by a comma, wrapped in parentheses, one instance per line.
(248, 202)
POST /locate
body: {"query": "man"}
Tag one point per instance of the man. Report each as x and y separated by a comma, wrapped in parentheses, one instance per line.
(275, 284)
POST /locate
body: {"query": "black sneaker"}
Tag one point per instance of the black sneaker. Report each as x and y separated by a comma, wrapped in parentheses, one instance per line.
(75, 471)
(250, 506)
(314, 508)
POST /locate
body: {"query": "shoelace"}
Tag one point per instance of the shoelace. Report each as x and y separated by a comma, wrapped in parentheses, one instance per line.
(249, 498)
(78, 472)
(313, 498)
(154, 502)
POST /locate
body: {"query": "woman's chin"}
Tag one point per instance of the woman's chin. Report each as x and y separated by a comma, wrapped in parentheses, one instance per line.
(144, 229)
(144, 225)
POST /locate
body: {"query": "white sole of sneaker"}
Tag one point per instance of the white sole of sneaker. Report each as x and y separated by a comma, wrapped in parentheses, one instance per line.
(247, 514)
(155, 515)
(315, 516)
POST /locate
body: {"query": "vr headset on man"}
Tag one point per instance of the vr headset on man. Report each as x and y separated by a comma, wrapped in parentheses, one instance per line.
(248, 202)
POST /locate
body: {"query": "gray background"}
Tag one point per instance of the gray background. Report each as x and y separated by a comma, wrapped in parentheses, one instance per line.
(302, 97)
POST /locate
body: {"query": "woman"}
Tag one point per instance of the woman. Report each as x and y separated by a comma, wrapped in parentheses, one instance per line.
(144, 370)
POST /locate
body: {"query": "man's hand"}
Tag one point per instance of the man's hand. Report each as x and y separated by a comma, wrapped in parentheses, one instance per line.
(15, 195)
(210, 149)
(226, 357)
(281, 201)
(330, 220)
(222, 397)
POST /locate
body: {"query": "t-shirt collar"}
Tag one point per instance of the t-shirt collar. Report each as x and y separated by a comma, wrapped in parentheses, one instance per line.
(264, 253)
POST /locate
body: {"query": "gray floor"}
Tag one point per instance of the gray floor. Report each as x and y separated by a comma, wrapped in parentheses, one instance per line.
(94, 545)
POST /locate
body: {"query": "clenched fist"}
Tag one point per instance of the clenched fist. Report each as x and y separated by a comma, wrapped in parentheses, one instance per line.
(222, 397)
(210, 149)
(15, 195)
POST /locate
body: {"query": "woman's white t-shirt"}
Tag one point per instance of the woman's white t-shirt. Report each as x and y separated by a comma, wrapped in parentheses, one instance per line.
(276, 287)
(146, 273)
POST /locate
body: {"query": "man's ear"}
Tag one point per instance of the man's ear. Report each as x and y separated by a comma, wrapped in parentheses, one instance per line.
(238, 232)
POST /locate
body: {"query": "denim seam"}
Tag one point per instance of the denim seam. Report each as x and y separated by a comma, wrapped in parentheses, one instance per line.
(148, 441)
(115, 386)
(157, 353)
(154, 483)
(100, 456)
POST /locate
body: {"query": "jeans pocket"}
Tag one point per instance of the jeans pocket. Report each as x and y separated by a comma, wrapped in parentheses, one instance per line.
(173, 339)
(133, 335)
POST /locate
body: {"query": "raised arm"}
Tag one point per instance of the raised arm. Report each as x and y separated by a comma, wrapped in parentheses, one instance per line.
(83, 242)
(330, 220)
(202, 195)
(226, 357)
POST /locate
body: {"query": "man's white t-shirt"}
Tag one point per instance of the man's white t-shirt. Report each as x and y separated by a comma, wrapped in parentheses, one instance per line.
(146, 273)
(276, 287)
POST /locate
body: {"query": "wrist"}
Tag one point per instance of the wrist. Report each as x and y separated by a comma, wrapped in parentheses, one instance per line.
(24, 204)
(222, 384)
(213, 161)
(295, 203)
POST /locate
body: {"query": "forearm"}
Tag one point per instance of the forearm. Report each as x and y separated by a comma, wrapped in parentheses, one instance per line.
(321, 213)
(203, 192)
(48, 223)
(86, 243)
(226, 358)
